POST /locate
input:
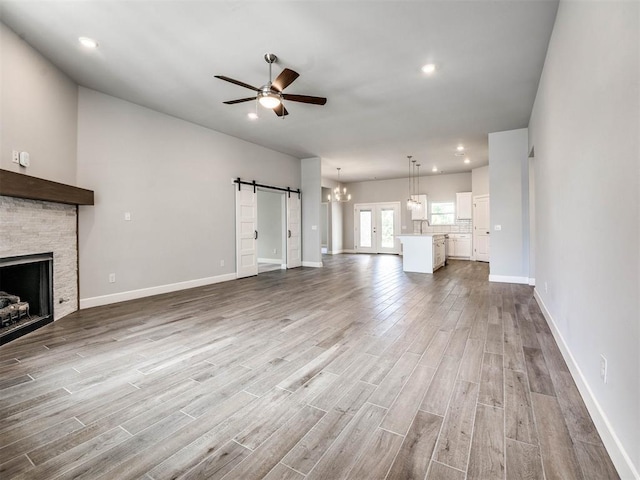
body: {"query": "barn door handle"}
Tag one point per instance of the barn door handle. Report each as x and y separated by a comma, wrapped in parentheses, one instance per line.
(255, 234)
(288, 233)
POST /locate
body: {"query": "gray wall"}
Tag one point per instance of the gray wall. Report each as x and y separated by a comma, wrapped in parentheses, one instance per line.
(480, 181)
(311, 180)
(270, 225)
(174, 178)
(438, 188)
(39, 112)
(335, 218)
(508, 176)
(585, 129)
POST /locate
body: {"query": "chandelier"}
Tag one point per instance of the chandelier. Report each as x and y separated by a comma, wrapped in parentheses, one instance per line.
(339, 195)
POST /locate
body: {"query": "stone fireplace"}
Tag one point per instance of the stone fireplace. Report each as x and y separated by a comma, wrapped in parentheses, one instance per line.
(26, 294)
(41, 217)
(31, 227)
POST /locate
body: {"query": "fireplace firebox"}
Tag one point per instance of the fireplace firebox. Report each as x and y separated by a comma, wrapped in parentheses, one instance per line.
(26, 294)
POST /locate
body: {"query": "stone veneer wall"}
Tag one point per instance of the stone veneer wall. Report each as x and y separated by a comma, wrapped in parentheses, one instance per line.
(30, 227)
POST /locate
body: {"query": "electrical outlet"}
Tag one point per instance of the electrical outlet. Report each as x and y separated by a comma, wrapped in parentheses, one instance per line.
(15, 157)
(127, 216)
(112, 278)
(546, 287)
(222, 263)
(275, 251)
(603, 368)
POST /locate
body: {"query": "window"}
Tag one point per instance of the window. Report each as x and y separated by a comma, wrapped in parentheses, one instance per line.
(442, 213)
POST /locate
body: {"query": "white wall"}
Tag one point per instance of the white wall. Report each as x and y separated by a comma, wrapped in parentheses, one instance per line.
(174, 178)
(438, 188)
(509, 190)
(38, 110)
(270, 225)
(585, 129)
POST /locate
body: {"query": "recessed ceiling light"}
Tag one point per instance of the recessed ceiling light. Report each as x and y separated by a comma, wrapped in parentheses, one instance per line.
(434, 169)
(466, 160)
(88, 42)
(429, 68)
(252, 115)
(460, 148)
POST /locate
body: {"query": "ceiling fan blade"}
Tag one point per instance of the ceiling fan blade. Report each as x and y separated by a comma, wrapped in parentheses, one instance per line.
(280, 110)
(285, 79)
(305, 99)
(240, 100)
(237, 82)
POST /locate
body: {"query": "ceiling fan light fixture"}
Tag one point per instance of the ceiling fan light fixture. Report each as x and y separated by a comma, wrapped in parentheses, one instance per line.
(269, 99)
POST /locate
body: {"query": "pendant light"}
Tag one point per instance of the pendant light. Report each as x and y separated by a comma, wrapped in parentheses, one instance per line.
(339, 195)
(411, 203)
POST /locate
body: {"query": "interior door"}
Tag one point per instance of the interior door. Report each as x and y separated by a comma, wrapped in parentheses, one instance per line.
(481, 228)
(246, 231)
(294, 239)
(376, 226)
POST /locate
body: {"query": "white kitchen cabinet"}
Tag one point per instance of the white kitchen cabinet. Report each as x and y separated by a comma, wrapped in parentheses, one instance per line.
(422, 253)
(459, 245)
(439, 251)
(420, 213)
(463, 206)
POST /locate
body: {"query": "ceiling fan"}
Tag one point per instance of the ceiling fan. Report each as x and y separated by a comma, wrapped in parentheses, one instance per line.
(271, 94)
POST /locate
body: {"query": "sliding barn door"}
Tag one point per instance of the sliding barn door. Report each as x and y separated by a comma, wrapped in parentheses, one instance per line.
(246, 231)
(294, 239)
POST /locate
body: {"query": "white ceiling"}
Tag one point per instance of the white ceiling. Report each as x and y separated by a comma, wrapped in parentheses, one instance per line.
(364, 56)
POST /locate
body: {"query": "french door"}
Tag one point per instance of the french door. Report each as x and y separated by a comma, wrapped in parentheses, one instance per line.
(376, 226)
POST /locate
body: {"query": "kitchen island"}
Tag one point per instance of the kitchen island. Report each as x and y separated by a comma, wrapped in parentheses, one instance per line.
(422, 253)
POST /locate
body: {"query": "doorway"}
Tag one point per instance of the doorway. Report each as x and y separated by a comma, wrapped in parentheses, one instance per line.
(376, 226)
(267, 230)
(271, 235)
(481, 228)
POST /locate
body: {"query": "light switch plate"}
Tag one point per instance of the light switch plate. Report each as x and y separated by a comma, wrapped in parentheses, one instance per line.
(497, 228)
(24, 159)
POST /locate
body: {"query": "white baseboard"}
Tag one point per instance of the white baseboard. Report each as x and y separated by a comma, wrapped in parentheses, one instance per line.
(312, 264)
(508, 279)
(348, 251)
(616, 450)
(148, 292)
(277, 261)
(532, 282)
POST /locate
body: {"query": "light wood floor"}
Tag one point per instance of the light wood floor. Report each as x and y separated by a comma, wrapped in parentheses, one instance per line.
(356, 370)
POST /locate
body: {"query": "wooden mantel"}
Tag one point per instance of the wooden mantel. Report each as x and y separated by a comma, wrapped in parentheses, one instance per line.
(14, 184)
